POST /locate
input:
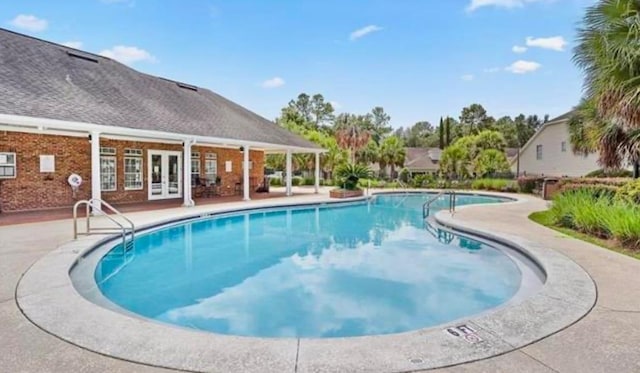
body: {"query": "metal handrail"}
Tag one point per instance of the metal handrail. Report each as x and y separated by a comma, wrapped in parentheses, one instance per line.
(426, 207)
(92, 202)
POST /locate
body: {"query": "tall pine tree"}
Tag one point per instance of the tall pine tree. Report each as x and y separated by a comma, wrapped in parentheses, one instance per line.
(441, 133)
(448, 132)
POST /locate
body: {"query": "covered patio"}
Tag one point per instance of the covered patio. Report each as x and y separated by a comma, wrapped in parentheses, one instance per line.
(25, 217)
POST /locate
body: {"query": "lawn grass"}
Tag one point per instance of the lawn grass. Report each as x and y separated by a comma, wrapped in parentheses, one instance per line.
(546, 218)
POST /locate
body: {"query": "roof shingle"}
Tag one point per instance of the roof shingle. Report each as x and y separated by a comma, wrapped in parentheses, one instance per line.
(43, 79)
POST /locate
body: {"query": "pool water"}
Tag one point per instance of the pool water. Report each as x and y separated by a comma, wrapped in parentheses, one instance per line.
(319, 271)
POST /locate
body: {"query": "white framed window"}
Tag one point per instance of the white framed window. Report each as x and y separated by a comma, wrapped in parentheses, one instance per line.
(133, 169)
(563, 146)
(195, 168)
(538, 152)
(108, 170)
(7, 165)
(211, 167)
(107, 151)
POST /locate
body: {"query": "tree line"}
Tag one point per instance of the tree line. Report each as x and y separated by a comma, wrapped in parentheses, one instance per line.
(370, 139)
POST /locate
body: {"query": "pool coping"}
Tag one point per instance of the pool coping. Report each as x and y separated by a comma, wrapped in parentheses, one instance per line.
(47, 297)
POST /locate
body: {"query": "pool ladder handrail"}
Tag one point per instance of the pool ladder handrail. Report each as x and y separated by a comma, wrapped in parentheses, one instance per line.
(98, 204)
(426, 207)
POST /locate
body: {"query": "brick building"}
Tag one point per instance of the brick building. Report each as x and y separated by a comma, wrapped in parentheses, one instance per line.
(130, 137)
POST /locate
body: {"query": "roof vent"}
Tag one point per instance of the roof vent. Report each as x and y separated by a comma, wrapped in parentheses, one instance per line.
(82, 57)
(187, 86)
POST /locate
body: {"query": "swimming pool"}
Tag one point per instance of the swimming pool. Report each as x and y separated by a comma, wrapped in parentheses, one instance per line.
(319, 271)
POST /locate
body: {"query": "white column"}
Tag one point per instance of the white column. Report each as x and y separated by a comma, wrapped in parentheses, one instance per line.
(186, 174)
(245, 175)
(96, 191)
(288, 171)
(317, 181)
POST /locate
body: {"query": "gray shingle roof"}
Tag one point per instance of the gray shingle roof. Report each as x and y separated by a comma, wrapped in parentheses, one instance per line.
(41, 79)
(422, 159)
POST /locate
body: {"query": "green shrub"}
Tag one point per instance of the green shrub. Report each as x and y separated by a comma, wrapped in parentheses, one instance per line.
(602, 173)
(600, 216)
(308, 181)
(422, 181)
(629, 192)
(276, 181)
(349, 175)
(527, 184)
(623, 223)
(498, 185)
(296, 180)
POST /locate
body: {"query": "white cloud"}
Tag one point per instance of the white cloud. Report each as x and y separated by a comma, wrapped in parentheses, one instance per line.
(523, 67)
(73, 44)
(475, 4)
(519, 49)
(336, 105)
(492, 70)
(357, 34)
(467, 77)
(29, 22)
(556, 43)
(274, 82)
(127, 54)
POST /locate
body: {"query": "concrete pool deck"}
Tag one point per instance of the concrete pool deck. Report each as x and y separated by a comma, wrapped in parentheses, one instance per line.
(605, 340)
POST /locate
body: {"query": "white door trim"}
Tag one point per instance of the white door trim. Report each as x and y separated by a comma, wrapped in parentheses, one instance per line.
(164, 170)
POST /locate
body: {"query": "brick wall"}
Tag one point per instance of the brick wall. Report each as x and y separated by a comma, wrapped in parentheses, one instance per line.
(32, 190)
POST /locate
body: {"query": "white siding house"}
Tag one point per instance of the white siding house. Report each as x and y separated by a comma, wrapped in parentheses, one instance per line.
(548, 153)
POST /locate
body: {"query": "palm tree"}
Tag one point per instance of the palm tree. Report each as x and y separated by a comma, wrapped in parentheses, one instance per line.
(609, 53)
(353, 137)
(455, 160)
(393, 152)
(333, 158)
(608, 120)
(589, 132)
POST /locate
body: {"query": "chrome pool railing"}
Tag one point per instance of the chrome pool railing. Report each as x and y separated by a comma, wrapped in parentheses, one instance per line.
(426, 207)
(124, 229)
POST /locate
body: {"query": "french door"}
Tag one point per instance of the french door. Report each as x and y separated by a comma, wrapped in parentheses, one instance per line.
(165, 174)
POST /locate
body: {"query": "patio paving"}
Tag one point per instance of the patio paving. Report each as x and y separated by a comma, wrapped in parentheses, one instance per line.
(605, 340)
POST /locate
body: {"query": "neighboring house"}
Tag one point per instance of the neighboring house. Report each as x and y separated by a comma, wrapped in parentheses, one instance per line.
(423, 160)
(511, 154)
(548, 153)
(130, 136)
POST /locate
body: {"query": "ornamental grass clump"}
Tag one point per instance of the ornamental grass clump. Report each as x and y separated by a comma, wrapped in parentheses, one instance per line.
(599, 216)
(623, 222)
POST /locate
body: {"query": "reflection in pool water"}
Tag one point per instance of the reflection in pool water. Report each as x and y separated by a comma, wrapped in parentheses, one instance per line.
(330, 271)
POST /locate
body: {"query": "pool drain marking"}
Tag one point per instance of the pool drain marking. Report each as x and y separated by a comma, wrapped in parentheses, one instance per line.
(416, 360)
(465, 332)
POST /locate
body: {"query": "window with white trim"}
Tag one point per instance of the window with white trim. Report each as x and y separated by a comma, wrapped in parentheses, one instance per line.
(108, 169)
(7, 165)
(133, 169)
(195, 168)
(211, 167)
(538, 152)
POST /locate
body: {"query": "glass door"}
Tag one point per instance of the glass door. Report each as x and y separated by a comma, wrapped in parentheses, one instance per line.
(165, 174)
(173, 177)
(155, 181)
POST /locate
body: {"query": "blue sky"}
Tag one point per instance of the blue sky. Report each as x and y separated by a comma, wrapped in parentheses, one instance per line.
(419, 59)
